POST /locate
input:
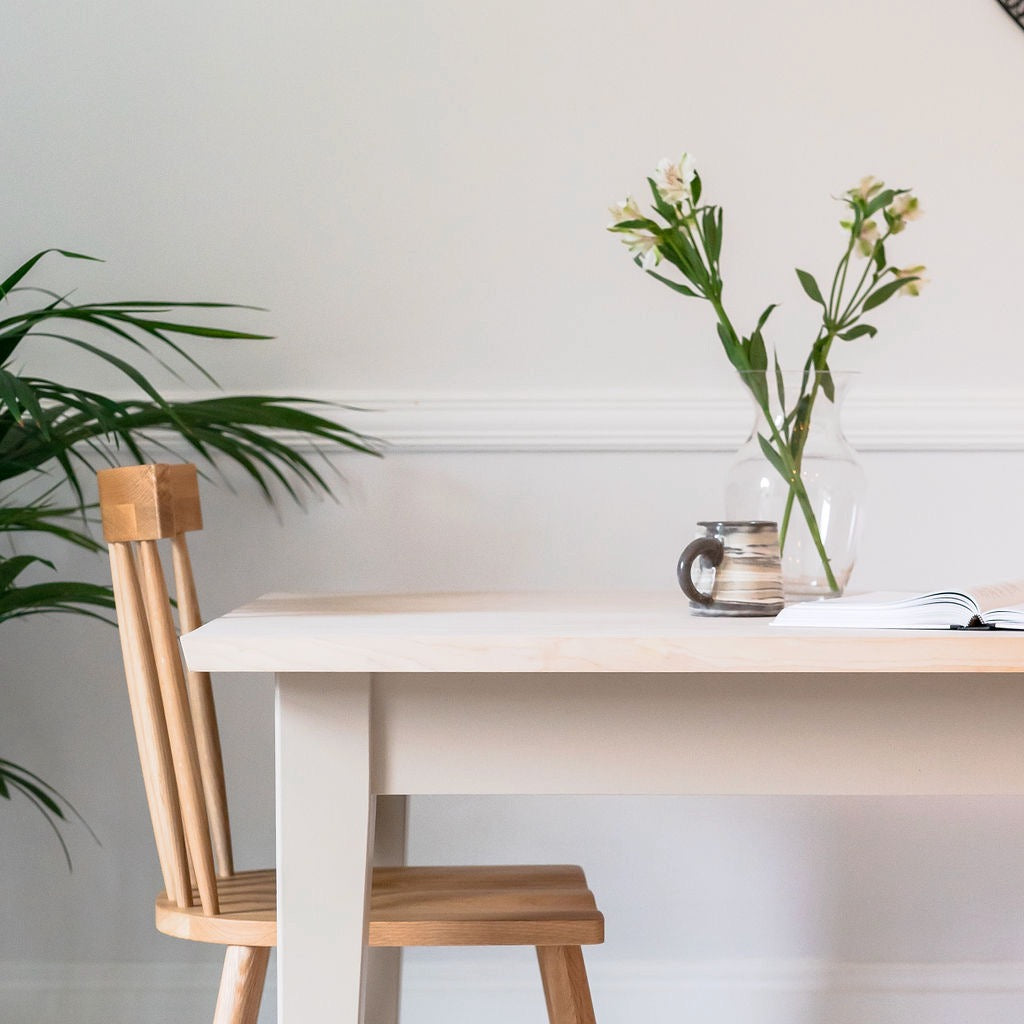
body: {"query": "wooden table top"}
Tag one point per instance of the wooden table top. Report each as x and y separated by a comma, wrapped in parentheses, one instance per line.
(562, 632)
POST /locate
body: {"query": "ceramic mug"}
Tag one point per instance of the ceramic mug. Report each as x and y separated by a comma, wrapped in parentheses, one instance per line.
(739, 571)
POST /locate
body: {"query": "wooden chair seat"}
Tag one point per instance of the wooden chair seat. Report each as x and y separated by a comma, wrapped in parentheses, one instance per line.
(205, 899)
(547, 905)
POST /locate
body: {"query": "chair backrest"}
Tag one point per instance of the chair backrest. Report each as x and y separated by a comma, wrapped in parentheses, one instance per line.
(173, 711)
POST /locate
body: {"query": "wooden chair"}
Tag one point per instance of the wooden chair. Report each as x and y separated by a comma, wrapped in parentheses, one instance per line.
(205, 899)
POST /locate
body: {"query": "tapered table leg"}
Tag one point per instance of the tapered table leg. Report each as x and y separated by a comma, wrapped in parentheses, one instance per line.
(324, 843)
(384, 966)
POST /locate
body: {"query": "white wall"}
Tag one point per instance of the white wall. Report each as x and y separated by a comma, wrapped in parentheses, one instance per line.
(417, 192)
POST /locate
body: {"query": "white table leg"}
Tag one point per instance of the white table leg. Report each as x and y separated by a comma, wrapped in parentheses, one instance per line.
(324, 842)
(384, 966)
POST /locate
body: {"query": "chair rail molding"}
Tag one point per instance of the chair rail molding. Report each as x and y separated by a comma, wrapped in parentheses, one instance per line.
(705, 420)
(698, 420)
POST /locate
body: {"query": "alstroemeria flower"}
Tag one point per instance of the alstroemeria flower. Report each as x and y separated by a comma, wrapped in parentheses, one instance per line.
(904, 208)
(644, 245)
(867, 238)
(673, 181)
(912, 287)
(869, 186)
(626, 210)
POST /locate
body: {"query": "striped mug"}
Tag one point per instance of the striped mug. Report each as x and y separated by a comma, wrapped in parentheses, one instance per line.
(738, 569)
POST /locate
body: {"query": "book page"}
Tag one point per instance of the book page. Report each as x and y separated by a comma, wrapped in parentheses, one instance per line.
(883, 611)
(998, 595)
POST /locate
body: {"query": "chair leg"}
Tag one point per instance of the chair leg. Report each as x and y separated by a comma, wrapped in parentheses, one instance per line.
(566, 989)
(241, 984)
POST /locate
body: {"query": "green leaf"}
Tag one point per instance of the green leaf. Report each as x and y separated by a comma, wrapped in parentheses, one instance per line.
(779, 383)
(887, 291)
(828, 385)
(43, 519)
(879, 257)
(858, 332)
(884, 198)
(680, 251)
(712, 235)
(801, 425)
(32, 790)
(51, 803)
(810, 286)
(12, 568)
(665, 209)
(757, 353)
(696, 188)
(773, 457)
(633, 225)
(763, 319)
(733, 348)
(18, 275)
(757, 382)
(674, 285)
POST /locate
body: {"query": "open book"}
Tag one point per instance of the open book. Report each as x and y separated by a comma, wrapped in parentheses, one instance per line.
(996, 606)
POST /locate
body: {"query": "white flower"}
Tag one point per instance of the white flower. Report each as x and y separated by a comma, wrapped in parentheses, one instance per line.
(673, 181)
(904, 208)
(626, 210)
(644, 245)
(867, 238)
(868, 187)
(912, 287)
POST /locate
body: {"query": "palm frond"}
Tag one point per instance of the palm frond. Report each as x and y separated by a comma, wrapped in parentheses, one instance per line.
(17, 602)
(250, 430)
(45, 422)
(51, 430)
(55, 808)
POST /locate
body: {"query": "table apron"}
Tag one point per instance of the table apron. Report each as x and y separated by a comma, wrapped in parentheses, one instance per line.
(681, 734)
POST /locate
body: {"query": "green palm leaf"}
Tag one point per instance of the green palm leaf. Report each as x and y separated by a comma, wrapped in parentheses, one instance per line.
(55, 808)
(51, 431)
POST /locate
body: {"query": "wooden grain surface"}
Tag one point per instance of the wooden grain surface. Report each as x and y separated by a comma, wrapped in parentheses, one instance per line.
(531, 905)
(552, 632)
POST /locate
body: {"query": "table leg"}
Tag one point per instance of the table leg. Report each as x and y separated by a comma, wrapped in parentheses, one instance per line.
(324, 843)
(384, 966)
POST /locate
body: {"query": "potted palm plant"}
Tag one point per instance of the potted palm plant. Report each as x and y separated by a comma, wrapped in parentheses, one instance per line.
(51, 431)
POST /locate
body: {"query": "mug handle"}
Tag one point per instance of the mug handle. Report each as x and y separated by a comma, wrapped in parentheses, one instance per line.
(713, 550)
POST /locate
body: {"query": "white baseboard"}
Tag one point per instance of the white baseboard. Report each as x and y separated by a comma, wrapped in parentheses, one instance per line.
(452, 988)
(700, 420)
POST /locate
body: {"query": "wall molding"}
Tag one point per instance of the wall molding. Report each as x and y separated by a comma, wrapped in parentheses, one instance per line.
(697, 421)
(457, 987)
(806, 976)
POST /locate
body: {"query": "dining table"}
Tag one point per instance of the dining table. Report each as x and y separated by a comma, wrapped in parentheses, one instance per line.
(381, 697)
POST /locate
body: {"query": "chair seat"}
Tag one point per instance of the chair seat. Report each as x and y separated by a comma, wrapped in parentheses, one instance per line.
(547, 905)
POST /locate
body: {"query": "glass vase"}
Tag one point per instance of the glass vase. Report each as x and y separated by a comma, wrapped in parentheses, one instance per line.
(819, 517)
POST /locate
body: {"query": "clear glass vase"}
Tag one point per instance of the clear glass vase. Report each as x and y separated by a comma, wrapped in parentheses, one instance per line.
(820, 518)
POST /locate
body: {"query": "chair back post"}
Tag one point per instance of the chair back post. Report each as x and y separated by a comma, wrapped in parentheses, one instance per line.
(204, 713)
(150, 726)
(141, 505)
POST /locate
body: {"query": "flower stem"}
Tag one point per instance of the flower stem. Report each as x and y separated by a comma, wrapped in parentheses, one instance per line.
(784, 525)
(799, 491)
